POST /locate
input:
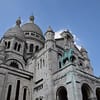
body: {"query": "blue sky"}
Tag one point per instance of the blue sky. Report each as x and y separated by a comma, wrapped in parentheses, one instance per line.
(82, 17)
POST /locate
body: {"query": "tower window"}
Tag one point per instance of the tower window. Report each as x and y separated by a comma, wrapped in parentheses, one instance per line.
(9, 92)
(33, 34)
(36, 48)
(5, 43)
(27, 33)
(17, 90)
(8, 45)
(15, 46)
(19, 46)
(31, 47)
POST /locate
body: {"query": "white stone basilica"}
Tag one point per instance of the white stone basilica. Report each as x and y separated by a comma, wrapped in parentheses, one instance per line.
(34, 66)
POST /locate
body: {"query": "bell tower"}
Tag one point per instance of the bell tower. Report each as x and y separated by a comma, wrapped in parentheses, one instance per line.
(15, 46)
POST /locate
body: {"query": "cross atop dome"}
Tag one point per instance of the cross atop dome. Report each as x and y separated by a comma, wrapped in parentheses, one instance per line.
(31, 19)
(18, 21)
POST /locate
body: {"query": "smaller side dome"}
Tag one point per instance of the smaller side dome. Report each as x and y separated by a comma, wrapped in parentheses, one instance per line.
(50, 29)
(31, 26)
(15, 31)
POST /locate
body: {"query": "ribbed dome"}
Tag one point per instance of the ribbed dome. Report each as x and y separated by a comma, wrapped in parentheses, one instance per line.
(15, 31)
(31, 27)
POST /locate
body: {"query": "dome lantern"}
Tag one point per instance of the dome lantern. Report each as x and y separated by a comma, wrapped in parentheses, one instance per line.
(18, 21)
(31, 18)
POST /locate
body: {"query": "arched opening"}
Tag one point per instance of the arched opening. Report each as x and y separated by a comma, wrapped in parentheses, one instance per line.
(24, 94)
(8, 45)
(61, 94)
(19, 46)
(85, 92)
(36, 48)
(15, 46)
(9, 92)
(73, 58)
(59, 64)
(14, 64)
(31, 47)
(98, 93)
(17, 90)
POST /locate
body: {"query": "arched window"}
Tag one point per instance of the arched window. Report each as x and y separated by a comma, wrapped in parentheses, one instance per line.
(9, 92)
(8, 45)
(36, 48)
(24, 94)
(19, 46)
(98, 93)
(14, 64)
(61, 93)
(31, 48)
(85, 92)
(17, 90)
(59, 64)
(27, 33)
(15, 46)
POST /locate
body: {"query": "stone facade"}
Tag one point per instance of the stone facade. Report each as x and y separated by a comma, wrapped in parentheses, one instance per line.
(34, 66)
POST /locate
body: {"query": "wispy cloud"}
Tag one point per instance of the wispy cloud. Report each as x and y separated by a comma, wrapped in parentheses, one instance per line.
(76, 39)
(58, 33)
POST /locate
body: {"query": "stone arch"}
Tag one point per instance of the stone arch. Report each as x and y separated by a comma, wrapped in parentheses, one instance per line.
(86, 91)
(26, 93)
(14, 63)
(61, 93)
(98, 93)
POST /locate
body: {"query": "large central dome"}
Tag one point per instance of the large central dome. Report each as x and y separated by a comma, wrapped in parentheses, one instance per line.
(31, 27)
